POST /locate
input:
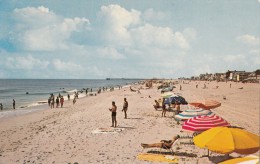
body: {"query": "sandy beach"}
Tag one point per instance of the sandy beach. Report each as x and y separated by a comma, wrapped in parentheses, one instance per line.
(69, 134)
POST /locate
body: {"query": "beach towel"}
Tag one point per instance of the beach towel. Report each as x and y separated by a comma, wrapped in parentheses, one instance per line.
(107, 130)
(157, 158)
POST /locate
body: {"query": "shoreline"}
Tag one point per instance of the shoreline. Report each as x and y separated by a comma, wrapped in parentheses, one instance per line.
(65, 135)
(40, 105)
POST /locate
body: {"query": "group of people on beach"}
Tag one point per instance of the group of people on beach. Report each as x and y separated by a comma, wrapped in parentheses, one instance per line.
(175, 104)
(59, 101)
(113, 110)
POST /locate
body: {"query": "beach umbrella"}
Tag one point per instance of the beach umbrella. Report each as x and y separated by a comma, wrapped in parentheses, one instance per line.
(190, 113)
(167, 94)
(251, 159)
(226, 140)
(206, 104)
(202, 123)
(175, 99)
(168, 89)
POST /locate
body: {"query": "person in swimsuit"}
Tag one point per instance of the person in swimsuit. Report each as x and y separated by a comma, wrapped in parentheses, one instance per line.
(113, 110)
(157, 105)
(125, 106)
(164, 144)
(163, 108)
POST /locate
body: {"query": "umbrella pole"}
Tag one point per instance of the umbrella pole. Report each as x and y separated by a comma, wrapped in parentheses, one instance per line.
(208, 152)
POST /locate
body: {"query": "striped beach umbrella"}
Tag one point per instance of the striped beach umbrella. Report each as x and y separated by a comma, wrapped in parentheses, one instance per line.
(202, 123)
(206, 104)
(190, 113)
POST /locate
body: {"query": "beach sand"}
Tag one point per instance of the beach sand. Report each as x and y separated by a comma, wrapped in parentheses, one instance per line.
(69, 134)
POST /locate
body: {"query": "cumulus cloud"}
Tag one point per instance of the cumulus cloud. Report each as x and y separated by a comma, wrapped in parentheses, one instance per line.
(31, 17)
(249, 40)
(109, 52)
(40, 29)
(149, 35)
(66, 66)
(118, 34)
(26, 63)
(115, 21)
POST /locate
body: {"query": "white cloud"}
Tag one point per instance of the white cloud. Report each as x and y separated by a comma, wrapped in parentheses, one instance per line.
(109, 52)
(249, 39)
(115, 22)
(26, 63)
(149, 35)
(31, 17)
(39, 29)
(66, 66)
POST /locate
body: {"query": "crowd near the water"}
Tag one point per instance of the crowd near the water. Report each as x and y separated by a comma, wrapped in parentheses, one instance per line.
(58, 101)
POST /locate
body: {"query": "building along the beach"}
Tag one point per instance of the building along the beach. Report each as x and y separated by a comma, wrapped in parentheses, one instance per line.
(219, 76)
(237, 75)
(254, 77)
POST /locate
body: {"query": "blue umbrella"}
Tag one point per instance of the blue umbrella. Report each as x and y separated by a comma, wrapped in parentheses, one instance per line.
(175, 99)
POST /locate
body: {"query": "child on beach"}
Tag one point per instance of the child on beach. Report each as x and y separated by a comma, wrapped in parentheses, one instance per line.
(113, 110)
(125, 106)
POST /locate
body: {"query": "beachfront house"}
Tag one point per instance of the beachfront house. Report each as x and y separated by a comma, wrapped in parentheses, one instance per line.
(219, 76)
(253, 77)
(206, 77)
(237, 75)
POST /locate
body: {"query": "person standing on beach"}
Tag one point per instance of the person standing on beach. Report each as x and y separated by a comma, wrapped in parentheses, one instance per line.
(113, 110)
(69, 97)
(1, 106)
(49, 101)
(178, 107)
(163, 108)
(125, 106)
(61, 101)
(57, 102)
(13, 104)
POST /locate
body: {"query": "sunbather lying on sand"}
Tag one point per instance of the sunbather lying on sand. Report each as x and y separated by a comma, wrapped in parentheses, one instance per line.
(164, 144)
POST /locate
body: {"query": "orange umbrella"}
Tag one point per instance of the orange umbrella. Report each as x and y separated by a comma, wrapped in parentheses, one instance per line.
(206, 104)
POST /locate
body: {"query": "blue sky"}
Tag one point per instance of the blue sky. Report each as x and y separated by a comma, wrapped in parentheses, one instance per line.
(127, 38)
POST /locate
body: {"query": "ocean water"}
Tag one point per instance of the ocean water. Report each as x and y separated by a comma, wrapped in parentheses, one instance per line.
(39, 90)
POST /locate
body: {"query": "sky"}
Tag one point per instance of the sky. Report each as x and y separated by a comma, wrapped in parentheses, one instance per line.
(64, 39)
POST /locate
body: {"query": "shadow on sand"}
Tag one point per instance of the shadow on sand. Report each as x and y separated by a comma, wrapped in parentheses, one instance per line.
(136, 118)
(175, 153)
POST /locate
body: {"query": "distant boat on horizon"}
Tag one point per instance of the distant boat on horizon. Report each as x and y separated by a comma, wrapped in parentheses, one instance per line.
(107, 78)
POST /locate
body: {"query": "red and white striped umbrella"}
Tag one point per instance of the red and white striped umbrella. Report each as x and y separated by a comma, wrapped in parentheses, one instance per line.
(202, 123)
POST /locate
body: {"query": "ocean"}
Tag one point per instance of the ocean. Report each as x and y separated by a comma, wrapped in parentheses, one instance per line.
(29, 93)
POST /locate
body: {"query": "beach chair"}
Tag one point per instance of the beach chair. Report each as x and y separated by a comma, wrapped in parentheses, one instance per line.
(163, 145)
